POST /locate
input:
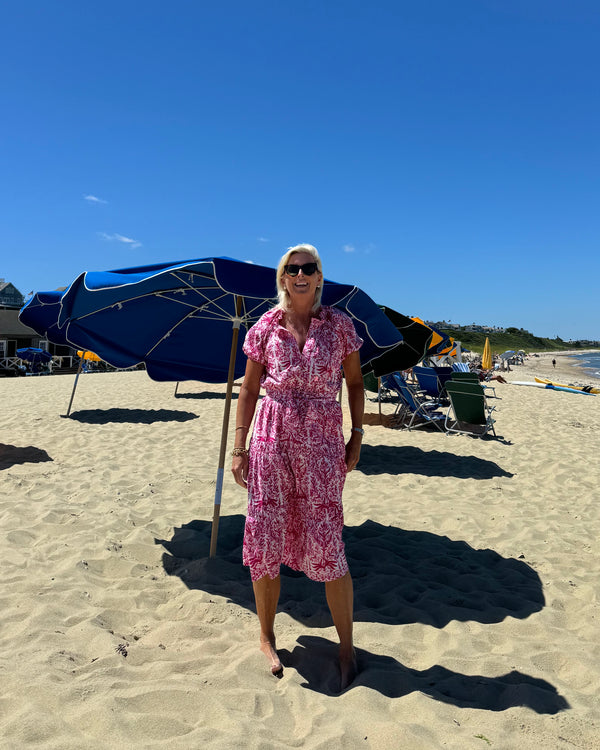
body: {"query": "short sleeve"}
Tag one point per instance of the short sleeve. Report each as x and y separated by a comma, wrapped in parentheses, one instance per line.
(350, 340)
(254, 344)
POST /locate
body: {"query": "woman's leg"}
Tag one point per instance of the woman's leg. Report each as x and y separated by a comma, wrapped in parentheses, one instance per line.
(266, 595)
(340, 598)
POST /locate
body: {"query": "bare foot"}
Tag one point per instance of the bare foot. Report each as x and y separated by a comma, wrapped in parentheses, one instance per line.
(348, 669)
(269, 650)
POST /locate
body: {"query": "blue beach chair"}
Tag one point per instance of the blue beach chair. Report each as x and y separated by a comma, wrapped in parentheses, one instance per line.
(421, 411)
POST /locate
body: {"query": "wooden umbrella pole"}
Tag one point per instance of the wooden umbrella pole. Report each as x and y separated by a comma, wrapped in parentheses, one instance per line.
(225, 428)
(75, 384)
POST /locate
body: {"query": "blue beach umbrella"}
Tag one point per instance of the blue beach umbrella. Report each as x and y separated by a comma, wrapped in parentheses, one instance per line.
(33, 355)
(41, 314)
(416, 342)
(177, 318)
(187, 320)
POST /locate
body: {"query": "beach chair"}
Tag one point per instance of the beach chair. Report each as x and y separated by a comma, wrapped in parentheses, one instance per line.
(432, 380)
(444, 374)
(413, 408)
(460, 367)
(472, 377)
(428, 381)
(371, 384)
(471, 414)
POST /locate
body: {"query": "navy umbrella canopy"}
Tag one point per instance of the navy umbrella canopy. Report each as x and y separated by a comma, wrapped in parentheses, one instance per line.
(177, 318)
(41, 314)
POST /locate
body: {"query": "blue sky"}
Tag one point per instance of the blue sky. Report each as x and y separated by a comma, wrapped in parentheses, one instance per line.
(442, 155)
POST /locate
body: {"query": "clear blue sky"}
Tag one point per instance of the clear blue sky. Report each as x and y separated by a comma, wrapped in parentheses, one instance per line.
(444, 155)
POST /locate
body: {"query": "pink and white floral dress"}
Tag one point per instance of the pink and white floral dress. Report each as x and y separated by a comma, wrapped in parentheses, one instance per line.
(297, 463)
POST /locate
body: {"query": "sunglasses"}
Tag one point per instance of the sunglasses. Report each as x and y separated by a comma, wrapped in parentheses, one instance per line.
(307, 269)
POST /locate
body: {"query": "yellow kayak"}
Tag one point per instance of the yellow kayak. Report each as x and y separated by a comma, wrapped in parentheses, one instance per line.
(586, 388)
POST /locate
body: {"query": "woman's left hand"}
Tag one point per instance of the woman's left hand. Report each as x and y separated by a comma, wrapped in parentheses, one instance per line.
(353, 450)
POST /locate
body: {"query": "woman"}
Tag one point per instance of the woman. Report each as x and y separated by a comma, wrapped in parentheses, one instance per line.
(297, 462)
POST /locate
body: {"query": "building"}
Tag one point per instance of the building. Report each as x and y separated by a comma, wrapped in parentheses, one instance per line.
(14, 335)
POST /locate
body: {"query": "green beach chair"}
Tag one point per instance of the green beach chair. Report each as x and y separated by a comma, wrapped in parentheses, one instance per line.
(472, 377)
(470, 412)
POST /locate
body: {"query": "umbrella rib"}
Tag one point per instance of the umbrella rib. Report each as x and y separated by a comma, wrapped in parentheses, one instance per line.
(213, 302)
(245, 318)
(168, 333)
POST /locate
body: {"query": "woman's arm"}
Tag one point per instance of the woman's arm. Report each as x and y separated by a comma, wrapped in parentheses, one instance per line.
(244, 414)
(356, 402)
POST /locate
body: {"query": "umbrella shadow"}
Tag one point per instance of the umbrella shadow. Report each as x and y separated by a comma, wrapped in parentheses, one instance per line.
(400, 576)
(13, 454)
(139, 416)
(206, 395)
(394, 680)
(408, 459)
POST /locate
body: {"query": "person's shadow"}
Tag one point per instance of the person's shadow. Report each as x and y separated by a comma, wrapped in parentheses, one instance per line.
(400, 577)
(392, 679)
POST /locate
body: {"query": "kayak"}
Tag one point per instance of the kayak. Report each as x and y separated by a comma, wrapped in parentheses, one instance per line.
(584, 388)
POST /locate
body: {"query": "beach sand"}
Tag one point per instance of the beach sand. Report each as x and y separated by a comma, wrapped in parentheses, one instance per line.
(475, 562)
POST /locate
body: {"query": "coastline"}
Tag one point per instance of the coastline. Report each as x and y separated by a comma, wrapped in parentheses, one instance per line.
(568, 369)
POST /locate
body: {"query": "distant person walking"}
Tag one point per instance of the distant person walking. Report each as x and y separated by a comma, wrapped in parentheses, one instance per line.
(553, 363)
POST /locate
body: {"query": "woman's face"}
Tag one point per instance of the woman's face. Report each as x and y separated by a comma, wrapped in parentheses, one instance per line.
(301, 286)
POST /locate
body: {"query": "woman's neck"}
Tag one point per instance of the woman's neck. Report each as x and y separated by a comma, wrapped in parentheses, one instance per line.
(300, 313)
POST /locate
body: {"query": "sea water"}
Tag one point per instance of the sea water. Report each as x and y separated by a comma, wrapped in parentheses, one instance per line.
(589, 363)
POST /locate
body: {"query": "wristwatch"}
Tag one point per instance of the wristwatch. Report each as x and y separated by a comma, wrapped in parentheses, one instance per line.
(358, 429)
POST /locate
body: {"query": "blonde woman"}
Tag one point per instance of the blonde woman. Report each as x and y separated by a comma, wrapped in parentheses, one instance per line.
(296, 465)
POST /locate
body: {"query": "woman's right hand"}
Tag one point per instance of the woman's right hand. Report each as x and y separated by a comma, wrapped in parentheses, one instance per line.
(239, 469)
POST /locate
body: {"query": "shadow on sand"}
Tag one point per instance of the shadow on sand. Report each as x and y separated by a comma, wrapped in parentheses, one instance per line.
(400, 577)
(13, 454)
(419, 577)
(206, 395)
(388, 459)
(392, 679)
(139, 416)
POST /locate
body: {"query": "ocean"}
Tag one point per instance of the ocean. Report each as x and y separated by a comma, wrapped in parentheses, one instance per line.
(589, 363)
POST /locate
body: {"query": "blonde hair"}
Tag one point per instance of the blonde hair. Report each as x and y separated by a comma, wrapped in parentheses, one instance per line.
(284, 297)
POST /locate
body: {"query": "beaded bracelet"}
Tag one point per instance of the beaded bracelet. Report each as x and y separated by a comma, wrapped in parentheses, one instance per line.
(239, 452)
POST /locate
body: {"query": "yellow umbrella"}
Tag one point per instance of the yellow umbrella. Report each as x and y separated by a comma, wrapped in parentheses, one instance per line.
(89, 356)
(486, 360)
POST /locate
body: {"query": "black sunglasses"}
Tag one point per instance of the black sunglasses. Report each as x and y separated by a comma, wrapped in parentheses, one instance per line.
(307, 269)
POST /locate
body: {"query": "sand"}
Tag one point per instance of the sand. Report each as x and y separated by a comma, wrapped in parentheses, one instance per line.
(475, 563)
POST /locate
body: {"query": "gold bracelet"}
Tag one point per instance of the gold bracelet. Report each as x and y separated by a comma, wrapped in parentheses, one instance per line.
(239, 452)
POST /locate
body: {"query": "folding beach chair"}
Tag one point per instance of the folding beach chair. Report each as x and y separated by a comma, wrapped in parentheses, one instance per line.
(472, 377)
(471, 413)
(460, 367)
(421, 411)
(444, 374)
(428, 381)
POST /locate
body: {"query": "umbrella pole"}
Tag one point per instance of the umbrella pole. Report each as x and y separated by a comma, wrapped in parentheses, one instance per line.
(176, 387)
(75, 384)
(224, 429)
